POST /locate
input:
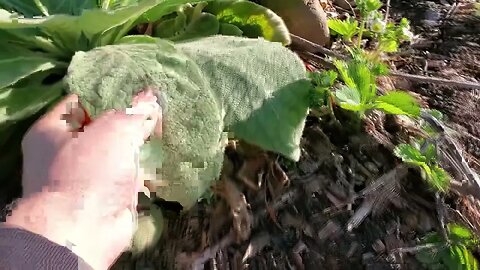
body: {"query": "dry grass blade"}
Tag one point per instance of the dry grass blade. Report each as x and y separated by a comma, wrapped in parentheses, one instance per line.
(377, 194)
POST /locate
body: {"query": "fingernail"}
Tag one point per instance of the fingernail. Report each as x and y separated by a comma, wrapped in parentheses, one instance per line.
(149, 127)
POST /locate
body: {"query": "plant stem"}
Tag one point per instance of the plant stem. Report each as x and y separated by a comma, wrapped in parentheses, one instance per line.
(360, 33)
(105, 4)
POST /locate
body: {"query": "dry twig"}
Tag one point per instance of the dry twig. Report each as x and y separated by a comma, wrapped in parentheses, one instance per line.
(315, 48)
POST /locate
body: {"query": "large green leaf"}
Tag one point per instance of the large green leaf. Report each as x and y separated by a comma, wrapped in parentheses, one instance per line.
(108, 77)
(30, 8)
(17, 63)
(254, 20)
(19, 103)
(262, 87)
(99, 27)
(258, 87)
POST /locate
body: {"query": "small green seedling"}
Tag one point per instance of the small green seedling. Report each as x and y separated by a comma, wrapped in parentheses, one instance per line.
(424, 155)
(372, 23)
(346, 29)
(321, 95)
(359, 93)
(453, 254)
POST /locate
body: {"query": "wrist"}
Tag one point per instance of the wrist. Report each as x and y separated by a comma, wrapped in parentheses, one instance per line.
(44, 213)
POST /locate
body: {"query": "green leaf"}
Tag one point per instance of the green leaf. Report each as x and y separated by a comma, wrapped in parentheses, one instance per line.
(459, 232)
(114, 4)
(363, 79)
(99, 26)
(409, 154)
(30, 8)
(203, 26)
(228, 29)
(430, 153)
(325, 78)
(133, 39)
(388, 45)
(346, 28)
(254, 20)
(17, 63)
(349, 99)
(367, 6)
(439, 178)
(344, 75)
(262, 86)
(172, 26)
(19, 103)
(188, 156)
(398, 102)
(253, 88)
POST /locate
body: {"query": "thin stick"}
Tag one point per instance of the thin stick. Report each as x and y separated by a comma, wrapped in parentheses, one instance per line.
(436, 80)
(387, 11)
(315, 48)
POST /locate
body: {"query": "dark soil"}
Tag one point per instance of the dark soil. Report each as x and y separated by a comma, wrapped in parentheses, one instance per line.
(345, 204)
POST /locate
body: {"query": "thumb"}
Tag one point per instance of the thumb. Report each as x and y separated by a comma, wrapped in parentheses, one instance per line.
(137, 122)
(118, 236)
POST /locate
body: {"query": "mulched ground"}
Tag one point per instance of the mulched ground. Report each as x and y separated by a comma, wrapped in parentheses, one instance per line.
(348, 203)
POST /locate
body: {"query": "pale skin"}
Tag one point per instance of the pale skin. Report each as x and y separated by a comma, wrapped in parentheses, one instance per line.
(80, 185)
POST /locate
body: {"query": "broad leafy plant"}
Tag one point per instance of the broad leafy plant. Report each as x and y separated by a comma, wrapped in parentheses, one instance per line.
(216, 81)
(453, 253)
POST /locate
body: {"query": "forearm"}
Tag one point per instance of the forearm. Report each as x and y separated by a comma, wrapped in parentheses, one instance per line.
(37, 229)
(41, 214)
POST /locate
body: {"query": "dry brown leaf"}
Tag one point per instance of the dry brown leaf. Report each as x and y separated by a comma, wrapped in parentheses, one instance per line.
(251, 171)
(256, 245)
(242, 217)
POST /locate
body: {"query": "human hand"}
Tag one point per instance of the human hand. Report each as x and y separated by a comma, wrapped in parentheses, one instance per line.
(80, 185)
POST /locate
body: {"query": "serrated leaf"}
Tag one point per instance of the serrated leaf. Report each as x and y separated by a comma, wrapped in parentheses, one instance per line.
(325, 78)
(349, 99)
(430, 153)
(408, 153)
(439, 178)
(345, 28)
(363, 79)
(344, 75)
(388, 45)
(460, 232)
(254, 20)
(398, 102)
